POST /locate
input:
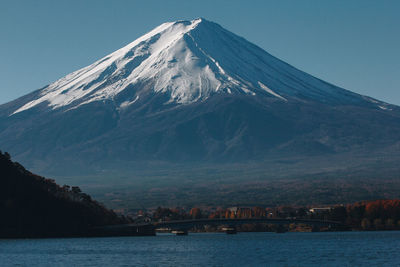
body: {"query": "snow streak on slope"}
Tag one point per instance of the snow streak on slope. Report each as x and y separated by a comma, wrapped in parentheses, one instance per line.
(188, 61)
(270, 91)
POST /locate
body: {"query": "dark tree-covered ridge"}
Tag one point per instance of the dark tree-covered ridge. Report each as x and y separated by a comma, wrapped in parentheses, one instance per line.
(33, 206)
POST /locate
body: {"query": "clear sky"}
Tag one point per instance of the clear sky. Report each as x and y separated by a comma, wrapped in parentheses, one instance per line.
(353, 44)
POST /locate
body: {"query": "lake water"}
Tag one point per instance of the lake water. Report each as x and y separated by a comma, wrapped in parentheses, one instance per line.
(206, 249)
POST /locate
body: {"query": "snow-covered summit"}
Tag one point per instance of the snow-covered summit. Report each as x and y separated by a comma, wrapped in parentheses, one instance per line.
(188, 61)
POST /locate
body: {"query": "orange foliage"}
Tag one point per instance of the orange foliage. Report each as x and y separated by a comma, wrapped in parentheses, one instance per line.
(195, 213)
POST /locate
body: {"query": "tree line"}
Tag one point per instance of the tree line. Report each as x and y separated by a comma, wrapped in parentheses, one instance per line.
(364, 215)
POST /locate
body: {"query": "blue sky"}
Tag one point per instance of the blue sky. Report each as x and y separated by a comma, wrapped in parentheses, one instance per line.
(353, 44)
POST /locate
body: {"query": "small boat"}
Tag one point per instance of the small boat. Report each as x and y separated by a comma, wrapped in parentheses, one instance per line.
(229, 230)
(180, 232)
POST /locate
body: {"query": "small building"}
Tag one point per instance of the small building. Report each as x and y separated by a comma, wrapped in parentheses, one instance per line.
(320, 210)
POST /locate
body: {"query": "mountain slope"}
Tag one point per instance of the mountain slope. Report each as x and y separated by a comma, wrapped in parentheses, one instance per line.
(191, 92)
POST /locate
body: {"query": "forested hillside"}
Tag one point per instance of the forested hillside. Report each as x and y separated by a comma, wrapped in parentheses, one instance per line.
(33, 206)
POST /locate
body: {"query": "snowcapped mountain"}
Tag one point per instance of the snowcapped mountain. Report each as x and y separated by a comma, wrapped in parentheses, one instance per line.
(190, 91)
(189, 61)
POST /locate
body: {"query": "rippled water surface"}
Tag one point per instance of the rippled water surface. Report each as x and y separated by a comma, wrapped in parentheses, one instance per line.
(243, 249)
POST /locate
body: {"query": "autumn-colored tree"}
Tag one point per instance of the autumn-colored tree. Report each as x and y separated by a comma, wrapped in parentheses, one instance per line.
(259, 212)
(232, 215)
(227, 214)
(195, 213)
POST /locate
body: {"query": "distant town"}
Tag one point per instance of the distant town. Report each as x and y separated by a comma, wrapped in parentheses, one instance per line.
(367, 215)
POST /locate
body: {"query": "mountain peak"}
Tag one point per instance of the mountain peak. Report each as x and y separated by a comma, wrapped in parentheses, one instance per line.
(195, 21)
(113, 73)
(186, 61)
